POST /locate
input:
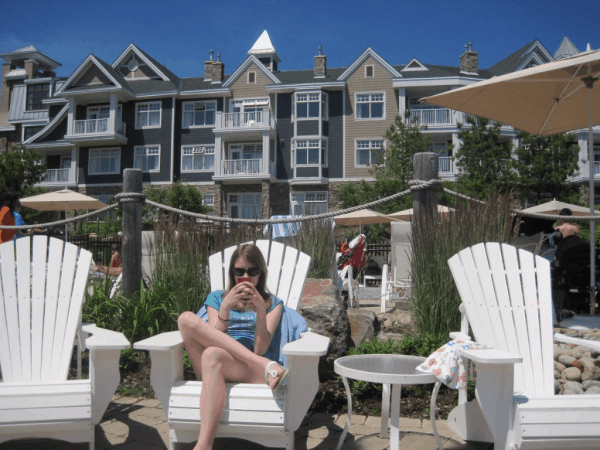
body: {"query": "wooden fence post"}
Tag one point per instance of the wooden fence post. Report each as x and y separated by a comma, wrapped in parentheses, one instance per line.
(425, 168)
(132, 233)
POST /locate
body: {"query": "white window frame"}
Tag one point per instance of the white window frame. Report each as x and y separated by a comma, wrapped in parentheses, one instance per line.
(248, 79)
(315, 197)
(323, 99)
(240, 203)
(372, 71)
(370, 94)
(137, 115)
(200, 149)
(147, 148)
(323, 151)
(206, 103)
(370, 141)
(111, 149)
(208, 199)
(30, 126)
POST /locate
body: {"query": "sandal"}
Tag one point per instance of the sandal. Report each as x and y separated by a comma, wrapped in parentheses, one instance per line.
(273, 373)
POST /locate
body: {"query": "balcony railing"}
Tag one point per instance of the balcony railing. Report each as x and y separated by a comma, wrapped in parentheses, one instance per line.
(242, 166)
(586, 170)
(439, 116)
(446, 164)
(57, 176)
(245, 120)
(96, 126)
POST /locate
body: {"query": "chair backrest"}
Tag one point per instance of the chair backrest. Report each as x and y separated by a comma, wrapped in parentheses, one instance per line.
(287, 269)
(41, 295)
(507, 297)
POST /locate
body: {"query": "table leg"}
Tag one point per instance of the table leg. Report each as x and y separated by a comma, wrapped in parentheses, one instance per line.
(385, 411)
(434, 395)
(395, 422)
(349, 397)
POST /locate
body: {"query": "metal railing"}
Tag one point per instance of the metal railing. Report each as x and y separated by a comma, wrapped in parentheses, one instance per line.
(432, 116)
(245, 119)
(242, 166)
(446, 164)
(57, 176)
(96, 126)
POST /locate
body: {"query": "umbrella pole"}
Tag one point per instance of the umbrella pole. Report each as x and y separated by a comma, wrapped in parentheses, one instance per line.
(590, 107)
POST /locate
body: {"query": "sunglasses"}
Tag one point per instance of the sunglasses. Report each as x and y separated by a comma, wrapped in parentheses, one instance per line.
(252, 271)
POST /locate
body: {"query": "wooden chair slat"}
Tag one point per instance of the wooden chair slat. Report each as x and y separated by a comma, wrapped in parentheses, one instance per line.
(24, 295)
(302, 266)
(287, 273)
(274, 267)
(38, 293)
(215, 267)
(227, 253)
(544, 290)
(9, 282)
(52, 285)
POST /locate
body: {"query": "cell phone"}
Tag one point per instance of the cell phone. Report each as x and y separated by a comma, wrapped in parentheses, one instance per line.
(241, 280)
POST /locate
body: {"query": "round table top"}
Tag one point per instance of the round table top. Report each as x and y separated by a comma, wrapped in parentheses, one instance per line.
(388, 369)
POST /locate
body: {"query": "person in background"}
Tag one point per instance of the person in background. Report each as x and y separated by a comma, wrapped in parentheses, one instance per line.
(567, 229)
(19, 221)
(114, 267)
(7, 216)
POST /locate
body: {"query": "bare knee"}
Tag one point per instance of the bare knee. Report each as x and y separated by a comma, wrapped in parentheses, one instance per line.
(187, 320)
(214, 358)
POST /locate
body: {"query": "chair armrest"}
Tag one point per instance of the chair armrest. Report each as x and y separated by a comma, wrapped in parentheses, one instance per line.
(103, 339)
(491, 356)
(309, 344)
(458, 335)
(161, 342)
(578, 341)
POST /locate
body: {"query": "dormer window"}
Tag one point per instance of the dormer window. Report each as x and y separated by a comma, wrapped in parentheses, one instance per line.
(35, 94)
(251, 77)
(369, 71)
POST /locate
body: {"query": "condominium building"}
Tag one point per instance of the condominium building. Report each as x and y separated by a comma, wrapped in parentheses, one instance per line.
(257, 142)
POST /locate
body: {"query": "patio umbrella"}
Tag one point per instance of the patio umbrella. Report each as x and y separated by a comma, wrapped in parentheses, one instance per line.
(64, 200)
(555, 206)
(362, 217)
(548, 99)
(408, 213)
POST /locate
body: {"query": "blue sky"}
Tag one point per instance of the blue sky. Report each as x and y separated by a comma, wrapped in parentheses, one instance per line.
(180, 34)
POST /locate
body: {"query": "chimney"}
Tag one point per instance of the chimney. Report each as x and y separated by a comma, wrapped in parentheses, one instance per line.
(218, 70)
(320, 64)
(208, 68)
(469, 60)
(31, 68)
(5, 94)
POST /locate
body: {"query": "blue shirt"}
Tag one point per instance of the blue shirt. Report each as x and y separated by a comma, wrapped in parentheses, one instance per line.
(241, 325)
(18, 222)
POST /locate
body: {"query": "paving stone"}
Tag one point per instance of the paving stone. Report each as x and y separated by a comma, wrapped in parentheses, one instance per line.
(373, 442)
(373, 421)
(149, 403)
(418, 441)
(126, 400)
(135, 445)
(363, 430)
(115, 440)
(355, 419)
(149, 412)
(115, 428)
(321, 432)
(144, 433)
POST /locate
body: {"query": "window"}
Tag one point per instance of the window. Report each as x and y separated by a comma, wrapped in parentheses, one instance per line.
(369, 71)
(97, 119)
(31, 131)
(308, 203)
(244, 206)
(311, 151)
(105, 161)
(251, 77)
(35, 94)
(147, 115)
(147, 158)
(367, 152)
(208, 199)
(311, 106)
(198, 158)
(198, 114)
(370, 106)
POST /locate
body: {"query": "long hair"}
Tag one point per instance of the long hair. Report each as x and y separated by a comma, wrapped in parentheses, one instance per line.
(253, 255)
(11, 199)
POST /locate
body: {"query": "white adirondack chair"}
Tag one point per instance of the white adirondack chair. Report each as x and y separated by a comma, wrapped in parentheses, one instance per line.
(252, 412)
(507, 300)
(41, 294)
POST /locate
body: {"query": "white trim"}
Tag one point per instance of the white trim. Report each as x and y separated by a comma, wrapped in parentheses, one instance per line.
(52, 101)
(363, 166)
(320, 93)
(137, 105)
(321, 139)
(96, 149)
(533, 57)
(257, 206)
(206, 203)
(436, 81)
(172, 170)
(372, 66)
(147, 147)
(145, 183)
(156, 94)
(214, 153)
(207, 92)
(369, 93)
(50, 127)
(541, 48)
(252, 72)
(287, 88)
(369, 52)
(247, 63)
(25, 110)
(38, 80)
(43, 125)
(91, 59)
(344, 134)
(183, 111)
(421, 67)
(138, 52)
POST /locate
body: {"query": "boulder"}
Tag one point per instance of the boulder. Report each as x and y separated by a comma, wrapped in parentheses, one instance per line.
(590, 371)
(556, 387)
(590, 383)
(559, 367)
(364, 324)
(569, 361)
(323, 309)
(594, 390)
(571, 374)
(573, 386)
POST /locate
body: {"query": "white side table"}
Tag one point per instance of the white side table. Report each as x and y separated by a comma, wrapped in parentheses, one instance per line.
(394, 370)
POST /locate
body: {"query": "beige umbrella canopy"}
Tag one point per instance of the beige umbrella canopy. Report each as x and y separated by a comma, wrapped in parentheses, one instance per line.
(64, 200)
(362, 217)
(555, 206)
(551, 98)
(408, 213)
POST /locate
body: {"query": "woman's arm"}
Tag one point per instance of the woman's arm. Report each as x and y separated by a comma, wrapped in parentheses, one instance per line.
(218, 322)
(266, 324)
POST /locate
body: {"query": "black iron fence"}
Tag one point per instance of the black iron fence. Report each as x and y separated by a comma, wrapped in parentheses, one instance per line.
(99, 246)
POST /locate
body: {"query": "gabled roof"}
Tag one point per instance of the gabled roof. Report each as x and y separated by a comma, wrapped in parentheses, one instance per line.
(114, 76)
(369, 52)
(30, 52)
(160, 70)
(242, 68)
(565, 49)
(62, 115)
(533, 51)
(414, 64)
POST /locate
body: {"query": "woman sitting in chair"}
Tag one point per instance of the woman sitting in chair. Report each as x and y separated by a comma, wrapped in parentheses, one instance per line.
(229, 343)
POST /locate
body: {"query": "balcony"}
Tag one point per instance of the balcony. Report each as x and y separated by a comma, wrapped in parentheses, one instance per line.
(245, 125)
(245, 170)
(58, 177)
(584, 173)
(97, 132)
(447, 168)
(439, 117)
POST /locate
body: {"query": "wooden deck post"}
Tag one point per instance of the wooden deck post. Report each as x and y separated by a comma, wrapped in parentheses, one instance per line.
(132, 233)
(425, 168)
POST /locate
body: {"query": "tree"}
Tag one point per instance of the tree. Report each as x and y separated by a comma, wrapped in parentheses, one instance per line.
(181, 196)
(393, 170)
(484, 159)
(543, 165)
(20, 167)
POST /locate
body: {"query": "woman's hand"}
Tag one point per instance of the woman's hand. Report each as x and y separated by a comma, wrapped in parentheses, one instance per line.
(240, 293)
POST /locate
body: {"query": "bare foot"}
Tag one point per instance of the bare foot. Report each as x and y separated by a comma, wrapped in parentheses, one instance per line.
(280, 371)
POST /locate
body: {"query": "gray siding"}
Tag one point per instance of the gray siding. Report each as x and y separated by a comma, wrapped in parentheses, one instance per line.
(307, 172)
(17, 106)
(307, 128)
(336, 134)
(285, 130)
(325, 172)
(58, 133)
(325, 128)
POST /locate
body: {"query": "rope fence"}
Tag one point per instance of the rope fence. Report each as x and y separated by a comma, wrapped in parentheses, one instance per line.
(414, 185)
